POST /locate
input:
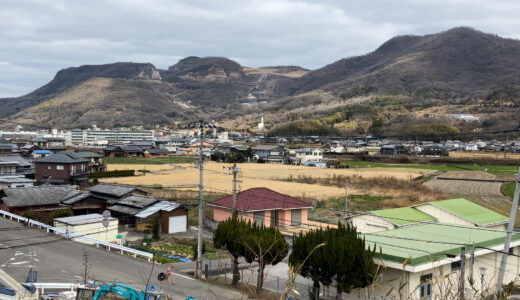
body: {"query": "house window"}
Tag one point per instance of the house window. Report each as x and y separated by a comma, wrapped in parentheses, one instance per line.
(59, 167)
(49, 167)
(455, 265)
(259, 217)
(82, 167)
(426, 286)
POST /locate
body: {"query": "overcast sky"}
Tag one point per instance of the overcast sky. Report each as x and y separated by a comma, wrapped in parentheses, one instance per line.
(40, 37)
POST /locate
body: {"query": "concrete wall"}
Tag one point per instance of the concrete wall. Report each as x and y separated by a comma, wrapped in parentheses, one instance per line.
(369, 223)
(442, 215)
(93, 230)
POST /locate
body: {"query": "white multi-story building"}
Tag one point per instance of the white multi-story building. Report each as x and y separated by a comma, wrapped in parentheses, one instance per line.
(87, 137)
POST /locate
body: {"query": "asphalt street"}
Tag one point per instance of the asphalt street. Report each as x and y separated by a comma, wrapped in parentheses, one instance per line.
(59, 260)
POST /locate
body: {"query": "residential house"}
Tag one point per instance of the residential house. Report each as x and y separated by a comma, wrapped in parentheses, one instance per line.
(35, 154)
(276, 154)
(263, 206)
(8, 167)
(432, 149)
(6, 148)
(22, 165)
(463, 212)
(37, 198)
(62, 168)
(387, 219)
(123, 151)
(308, 154)
(392, 149)
(427, 258)
(96, 160)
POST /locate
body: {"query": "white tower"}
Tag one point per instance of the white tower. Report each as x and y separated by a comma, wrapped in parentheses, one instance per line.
(261, 124)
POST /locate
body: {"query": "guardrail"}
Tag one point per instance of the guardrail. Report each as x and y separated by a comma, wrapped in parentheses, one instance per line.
(68, 235)
(55, 286)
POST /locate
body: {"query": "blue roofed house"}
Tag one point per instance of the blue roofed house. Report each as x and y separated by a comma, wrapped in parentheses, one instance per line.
(40, 153)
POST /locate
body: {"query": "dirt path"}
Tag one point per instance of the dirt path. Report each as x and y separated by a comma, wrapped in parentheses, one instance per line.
(467, 175)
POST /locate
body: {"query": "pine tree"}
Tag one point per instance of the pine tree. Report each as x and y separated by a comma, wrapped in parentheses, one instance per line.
(229, 235)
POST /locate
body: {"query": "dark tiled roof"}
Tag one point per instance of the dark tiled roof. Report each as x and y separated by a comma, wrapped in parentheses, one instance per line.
(87, 154)
(116, 190)
(261, 199)
(36, 196)
(62, 158)
(137, 201)
(125, 209)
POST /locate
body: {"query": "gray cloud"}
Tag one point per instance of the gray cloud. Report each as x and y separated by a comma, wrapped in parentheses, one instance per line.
(40, 37)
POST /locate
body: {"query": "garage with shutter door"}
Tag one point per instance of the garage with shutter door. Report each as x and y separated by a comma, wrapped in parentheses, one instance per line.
(174, 221)
(177, 224)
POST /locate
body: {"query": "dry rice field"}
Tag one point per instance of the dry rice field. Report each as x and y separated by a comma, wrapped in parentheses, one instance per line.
(217, 177)
(465, 187)
(497, 155)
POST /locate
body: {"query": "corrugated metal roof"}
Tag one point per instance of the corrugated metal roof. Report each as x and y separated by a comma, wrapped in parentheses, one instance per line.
(403, 215)
(161, 205)
(405, 243)
(82, 219)
(470, 211)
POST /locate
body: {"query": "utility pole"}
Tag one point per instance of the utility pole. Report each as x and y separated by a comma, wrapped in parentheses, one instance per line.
(201, 200)
(201, 125)
(462, 280)
(235, 171)
(507, 243)
(346, 197)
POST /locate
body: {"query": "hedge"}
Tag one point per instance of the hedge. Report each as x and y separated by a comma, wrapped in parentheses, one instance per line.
(115, 173)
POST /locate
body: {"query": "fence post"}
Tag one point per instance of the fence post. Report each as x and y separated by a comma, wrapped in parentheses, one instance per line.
(277, 284)
(206, 270)
(225, 274)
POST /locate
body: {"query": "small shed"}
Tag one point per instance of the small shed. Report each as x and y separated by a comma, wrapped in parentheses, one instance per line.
(91, 226)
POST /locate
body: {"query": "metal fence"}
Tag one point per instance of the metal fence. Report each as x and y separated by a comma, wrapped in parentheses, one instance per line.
(68, 235)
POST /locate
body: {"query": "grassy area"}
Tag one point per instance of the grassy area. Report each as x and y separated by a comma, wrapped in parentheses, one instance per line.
(496, 170)
(151, 161)
(508, 188)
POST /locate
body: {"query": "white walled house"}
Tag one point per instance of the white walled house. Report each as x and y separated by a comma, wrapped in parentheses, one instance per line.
(463, 212)
(91, 226)
(308, 154)
(432, 255)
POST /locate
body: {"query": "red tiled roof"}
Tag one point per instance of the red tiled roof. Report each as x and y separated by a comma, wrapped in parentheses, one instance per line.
(260, 199)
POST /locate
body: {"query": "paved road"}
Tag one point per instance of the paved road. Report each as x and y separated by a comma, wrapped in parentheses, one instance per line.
(59, 260)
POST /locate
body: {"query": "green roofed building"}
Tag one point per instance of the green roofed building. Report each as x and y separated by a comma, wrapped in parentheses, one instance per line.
(386, 219)
(463, 212)
(427, 257)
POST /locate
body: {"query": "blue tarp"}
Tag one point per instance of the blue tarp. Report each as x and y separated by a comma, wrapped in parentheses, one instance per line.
(180, 258)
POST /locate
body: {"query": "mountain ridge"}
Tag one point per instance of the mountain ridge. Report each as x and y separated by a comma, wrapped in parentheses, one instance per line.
(457, 63)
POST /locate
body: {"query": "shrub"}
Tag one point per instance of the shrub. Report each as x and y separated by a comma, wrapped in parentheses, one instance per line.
(115, 173)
